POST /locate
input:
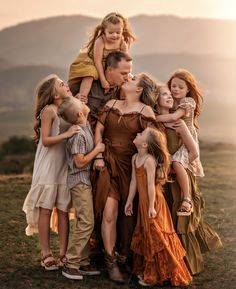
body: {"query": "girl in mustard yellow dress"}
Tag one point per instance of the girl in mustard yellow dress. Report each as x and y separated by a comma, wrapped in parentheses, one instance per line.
(158, 253)
(113, 34)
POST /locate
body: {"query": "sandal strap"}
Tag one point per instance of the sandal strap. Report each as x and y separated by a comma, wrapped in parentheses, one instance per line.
(188, 201)
(46, 256)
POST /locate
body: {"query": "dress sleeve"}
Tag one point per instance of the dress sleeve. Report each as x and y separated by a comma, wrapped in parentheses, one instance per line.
(149, 122)
(102, 114)
(187, 103)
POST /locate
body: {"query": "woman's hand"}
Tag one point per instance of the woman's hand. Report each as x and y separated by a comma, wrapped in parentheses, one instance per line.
(100, 147)
(152, 212)
(72, 130)
(129, 208)
(98, 164)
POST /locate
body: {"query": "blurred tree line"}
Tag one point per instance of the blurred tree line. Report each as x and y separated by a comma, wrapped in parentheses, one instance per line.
(17, 155)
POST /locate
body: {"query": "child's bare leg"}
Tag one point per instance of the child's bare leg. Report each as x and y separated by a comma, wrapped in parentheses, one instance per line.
(44, 230)
(85, 86)
(183, 181)
(188, 140)
(63, 231)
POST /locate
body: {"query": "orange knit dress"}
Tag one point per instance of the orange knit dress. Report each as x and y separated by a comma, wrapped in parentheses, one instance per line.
(158, 253)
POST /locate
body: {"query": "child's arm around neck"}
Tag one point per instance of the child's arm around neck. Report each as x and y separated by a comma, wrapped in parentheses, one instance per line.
(171, 117)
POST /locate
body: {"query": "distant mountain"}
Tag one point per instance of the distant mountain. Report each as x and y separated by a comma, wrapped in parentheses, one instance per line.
(217, 121)
(17, 85)
(56, 41)
(32, 50)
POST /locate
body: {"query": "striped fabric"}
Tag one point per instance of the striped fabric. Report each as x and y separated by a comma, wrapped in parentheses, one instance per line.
(80, 143)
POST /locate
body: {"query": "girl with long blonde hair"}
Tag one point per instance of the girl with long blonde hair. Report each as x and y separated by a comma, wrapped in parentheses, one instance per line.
(48, 188)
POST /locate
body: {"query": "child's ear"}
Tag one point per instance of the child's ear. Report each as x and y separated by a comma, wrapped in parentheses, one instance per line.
(79, 113)
(109, 69)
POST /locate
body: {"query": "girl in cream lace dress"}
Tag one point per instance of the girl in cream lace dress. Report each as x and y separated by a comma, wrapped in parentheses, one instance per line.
(187, 105)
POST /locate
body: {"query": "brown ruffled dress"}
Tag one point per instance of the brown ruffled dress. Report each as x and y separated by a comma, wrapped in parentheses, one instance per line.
(113, 181)
(158, 253)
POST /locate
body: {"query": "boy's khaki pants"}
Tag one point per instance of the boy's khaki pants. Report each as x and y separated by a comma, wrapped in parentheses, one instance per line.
(78, 247)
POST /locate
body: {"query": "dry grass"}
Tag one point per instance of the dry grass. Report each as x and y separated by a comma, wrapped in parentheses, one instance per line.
(19, 255)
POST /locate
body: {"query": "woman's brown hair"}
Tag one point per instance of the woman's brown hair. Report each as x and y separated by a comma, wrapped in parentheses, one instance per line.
(149, 93)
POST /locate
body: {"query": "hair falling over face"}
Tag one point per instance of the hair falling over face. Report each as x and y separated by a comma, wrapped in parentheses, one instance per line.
(45, 93)
(194, 90)
(157, 147)
(111, 18)
(149, 93)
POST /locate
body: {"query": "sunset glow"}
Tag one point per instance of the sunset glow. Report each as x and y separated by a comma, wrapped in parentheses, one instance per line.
(12, 12)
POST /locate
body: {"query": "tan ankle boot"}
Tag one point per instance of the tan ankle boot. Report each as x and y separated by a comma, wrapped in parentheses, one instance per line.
(112, 268)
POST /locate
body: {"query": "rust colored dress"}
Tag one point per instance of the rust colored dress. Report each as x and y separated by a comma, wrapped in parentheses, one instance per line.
(158, 253)
(113, 181)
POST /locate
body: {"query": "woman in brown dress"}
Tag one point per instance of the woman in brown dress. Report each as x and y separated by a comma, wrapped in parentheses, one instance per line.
(117, 126)
(196, 235)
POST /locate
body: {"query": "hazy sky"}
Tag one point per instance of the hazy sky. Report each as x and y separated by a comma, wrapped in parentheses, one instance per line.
(13, 12)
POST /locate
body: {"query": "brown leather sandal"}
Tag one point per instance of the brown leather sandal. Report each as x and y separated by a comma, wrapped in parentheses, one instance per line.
(185, 210)
(49, 263)
(62, 261)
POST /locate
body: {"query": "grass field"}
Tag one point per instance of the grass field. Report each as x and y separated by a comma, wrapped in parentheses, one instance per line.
(20, 255)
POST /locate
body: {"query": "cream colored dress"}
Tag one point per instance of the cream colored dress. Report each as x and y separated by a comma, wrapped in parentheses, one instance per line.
(181, 155)
(48, 188)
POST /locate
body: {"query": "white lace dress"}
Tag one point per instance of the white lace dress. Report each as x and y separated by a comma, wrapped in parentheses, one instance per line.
(181, 155)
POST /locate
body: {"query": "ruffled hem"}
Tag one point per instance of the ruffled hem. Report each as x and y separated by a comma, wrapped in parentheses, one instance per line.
(47, 197)
(150, 243)
(159, 257)
(196, 235)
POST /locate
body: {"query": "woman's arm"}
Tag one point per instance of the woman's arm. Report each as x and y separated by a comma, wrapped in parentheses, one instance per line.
(47, 118)
(148, 112)
(171, 117)
(132, 191)
(98, 54)
(99, 163)
(150, 167)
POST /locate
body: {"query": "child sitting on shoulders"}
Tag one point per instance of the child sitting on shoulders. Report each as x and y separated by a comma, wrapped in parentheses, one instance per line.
(113, 34)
